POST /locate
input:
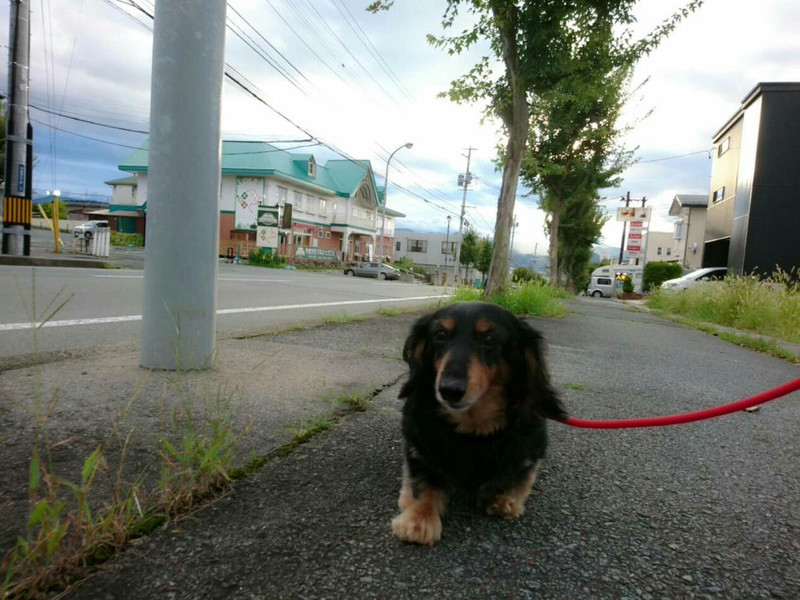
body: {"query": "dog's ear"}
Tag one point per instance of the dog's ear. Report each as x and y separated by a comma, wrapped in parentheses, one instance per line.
(541, 394)
(414, 353)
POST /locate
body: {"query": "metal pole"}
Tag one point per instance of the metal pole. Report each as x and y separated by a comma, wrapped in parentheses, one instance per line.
(627, 201)
(385, 199)
(467, 179)
(17, 204)
(178, 325)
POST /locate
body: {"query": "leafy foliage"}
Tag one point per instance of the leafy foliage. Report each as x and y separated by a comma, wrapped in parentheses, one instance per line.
(656, 273)
(485, 256)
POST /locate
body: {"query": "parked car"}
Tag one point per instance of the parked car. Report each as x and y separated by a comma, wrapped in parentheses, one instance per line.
(695, 277)
(88, 229)
(370, 269)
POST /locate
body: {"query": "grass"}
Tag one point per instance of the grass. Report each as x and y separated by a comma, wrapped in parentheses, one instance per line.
(770, 307)
(342, 318)
(575, 386)
(534, 298)
(127, 239)
(353, 401)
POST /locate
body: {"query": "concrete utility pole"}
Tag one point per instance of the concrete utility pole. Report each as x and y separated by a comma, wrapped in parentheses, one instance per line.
(17, 203)
(464, 180)
(180, 277)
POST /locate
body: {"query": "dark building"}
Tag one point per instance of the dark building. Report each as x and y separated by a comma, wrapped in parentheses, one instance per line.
(753, 218)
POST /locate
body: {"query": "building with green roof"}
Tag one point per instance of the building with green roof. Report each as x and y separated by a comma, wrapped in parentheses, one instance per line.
(335, 207)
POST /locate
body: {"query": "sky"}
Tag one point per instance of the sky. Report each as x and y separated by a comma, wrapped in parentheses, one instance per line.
(366, 84)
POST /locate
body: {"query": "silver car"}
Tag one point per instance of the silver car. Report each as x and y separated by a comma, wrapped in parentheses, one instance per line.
(370, 269)
(695, 277)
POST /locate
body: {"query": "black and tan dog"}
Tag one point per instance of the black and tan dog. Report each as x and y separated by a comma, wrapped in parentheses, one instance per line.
(474, 418)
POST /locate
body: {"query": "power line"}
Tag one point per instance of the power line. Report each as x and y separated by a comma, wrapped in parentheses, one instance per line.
(373, 51)
(672, 157)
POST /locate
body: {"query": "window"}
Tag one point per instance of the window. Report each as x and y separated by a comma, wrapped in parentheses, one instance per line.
(417, 246)
(669, 251)
(448, 247)
(323, 206)
(603, 281)
(312, 167)
(283, 195)
(311, 204)
(718, 194)
(658, 251)
(397, 247)
(327, 235)
(678, 230)
(724, 146)
(320, 232)
(298, 201)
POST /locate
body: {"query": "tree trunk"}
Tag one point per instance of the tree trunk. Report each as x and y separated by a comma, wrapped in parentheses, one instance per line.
(516, 122)
(555, 221)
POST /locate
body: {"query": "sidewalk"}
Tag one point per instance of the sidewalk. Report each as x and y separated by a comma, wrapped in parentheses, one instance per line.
(705, 511)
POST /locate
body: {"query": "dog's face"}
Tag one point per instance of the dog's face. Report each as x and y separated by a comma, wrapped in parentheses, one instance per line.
(473, 355)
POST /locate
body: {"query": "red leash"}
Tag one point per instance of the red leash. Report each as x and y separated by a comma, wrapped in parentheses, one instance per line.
(699, 415)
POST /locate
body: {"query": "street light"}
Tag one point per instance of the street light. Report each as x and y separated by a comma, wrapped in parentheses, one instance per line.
(447, 246)
(383, 208)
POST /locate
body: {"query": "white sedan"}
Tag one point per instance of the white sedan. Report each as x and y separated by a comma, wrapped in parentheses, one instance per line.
(695, 277)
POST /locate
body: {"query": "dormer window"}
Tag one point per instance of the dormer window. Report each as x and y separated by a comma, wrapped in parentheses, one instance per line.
(312, 167)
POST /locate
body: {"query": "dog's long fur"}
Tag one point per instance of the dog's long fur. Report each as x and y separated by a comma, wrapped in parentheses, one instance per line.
(477, 397)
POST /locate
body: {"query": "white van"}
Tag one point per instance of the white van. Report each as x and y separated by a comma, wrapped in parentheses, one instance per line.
(604, 279)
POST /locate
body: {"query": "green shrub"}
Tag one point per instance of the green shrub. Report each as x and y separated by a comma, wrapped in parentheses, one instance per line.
(533, 298)
(524, 275)
(656, 273)
(627, 284)
(266, 259)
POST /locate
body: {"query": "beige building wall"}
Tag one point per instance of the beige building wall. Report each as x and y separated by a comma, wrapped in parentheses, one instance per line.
(724, 174)
(663, 247)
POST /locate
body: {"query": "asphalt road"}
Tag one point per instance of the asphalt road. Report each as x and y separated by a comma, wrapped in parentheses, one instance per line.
(252, 299)
(708, 510)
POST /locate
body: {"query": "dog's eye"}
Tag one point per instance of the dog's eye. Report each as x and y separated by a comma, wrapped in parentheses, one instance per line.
(489, 340)
(440, 337)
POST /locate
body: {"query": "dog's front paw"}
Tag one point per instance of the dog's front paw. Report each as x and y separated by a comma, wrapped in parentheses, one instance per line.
(507, 507)
(418, 527)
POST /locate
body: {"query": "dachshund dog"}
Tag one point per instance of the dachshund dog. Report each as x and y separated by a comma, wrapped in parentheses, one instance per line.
(476, 400)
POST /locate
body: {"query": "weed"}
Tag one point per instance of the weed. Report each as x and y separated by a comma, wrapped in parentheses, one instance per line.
(768, 307)
(575, 386)
(388, 312)
(353, 401)
(308, 429)
(536, 298)
(342, 318)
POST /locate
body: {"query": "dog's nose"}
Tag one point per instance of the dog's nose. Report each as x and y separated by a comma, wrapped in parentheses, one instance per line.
(452, 390)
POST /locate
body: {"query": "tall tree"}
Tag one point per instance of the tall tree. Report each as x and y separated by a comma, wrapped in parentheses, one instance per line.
(581, 227)
(470, 250)
(530, 42)
(485, 256)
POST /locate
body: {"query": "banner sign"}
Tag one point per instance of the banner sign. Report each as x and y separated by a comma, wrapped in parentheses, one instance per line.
(267, 228)
(633, 213)
(315, 253)
(249, 195)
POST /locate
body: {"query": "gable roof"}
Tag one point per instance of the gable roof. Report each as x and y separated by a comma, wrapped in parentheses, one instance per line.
(340, 177)
(687, 200)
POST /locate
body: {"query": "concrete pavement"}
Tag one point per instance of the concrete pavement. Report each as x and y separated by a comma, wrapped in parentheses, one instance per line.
(706, 510)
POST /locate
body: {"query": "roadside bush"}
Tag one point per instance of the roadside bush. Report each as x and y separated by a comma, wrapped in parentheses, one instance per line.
(266, 260)
(126, 239)
(524, 274)
(656, 273)
(627, 284)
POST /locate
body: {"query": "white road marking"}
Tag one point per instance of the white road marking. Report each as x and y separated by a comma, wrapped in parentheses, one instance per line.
(222, 311)
(219, 279)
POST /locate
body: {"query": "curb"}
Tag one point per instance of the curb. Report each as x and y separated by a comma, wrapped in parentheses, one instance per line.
(37, 261)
